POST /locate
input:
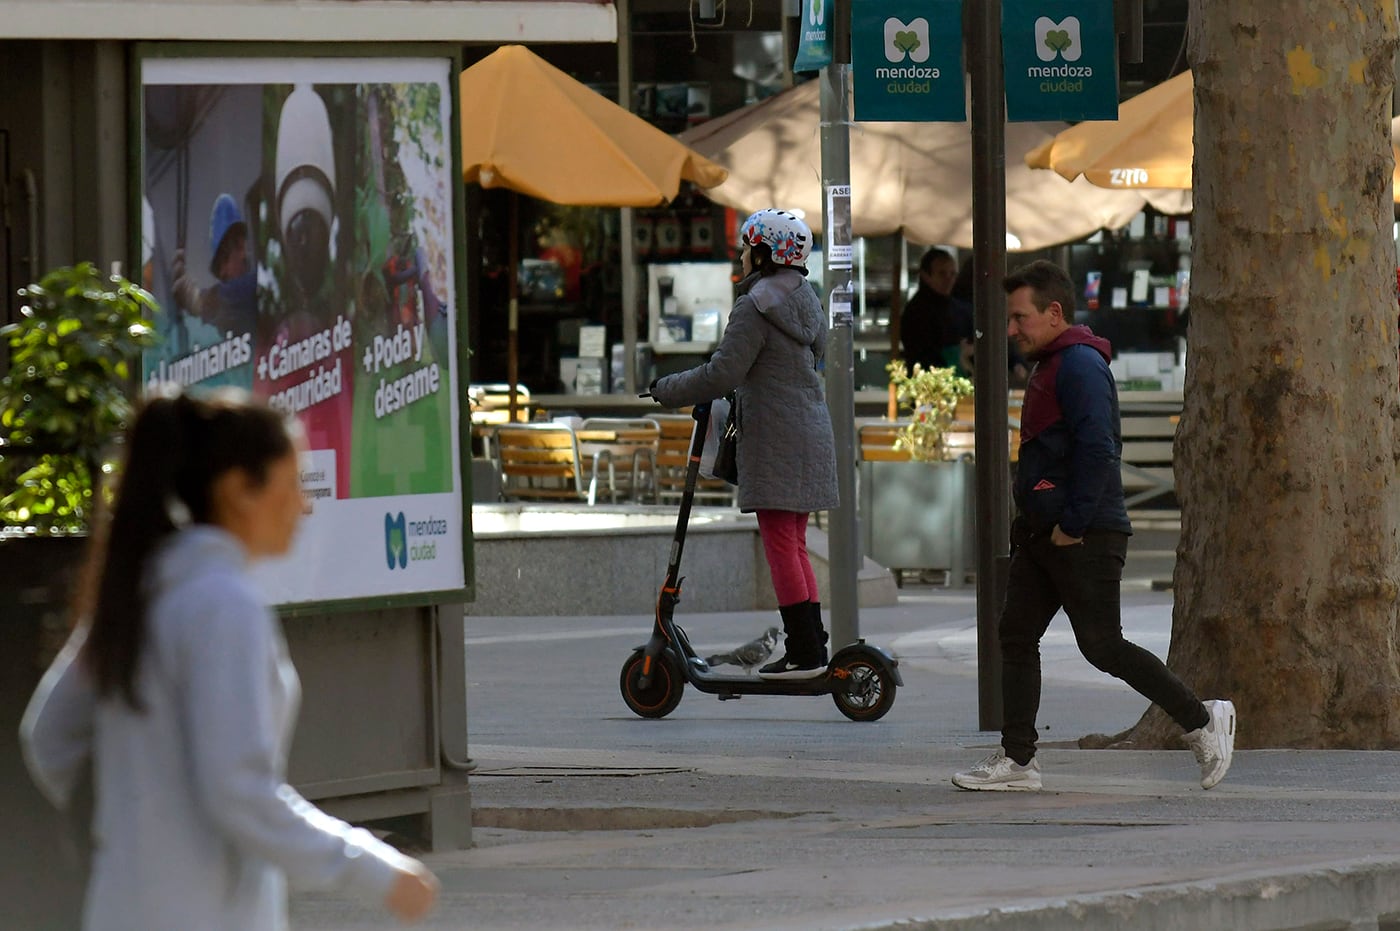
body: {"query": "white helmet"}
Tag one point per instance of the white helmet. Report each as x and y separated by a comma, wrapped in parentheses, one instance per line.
(788, 237)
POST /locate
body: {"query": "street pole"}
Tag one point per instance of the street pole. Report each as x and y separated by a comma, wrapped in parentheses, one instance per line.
(844, 563)
(989, 267)
(626, 221)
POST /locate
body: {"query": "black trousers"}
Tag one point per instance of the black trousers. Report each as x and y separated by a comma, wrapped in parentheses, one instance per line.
(1084, 579)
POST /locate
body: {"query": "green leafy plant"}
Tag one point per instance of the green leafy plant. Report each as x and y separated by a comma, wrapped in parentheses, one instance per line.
(68, 394)
(931, 395)
(907, 41)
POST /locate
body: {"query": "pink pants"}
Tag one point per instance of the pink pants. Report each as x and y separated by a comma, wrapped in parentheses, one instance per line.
(784, 535)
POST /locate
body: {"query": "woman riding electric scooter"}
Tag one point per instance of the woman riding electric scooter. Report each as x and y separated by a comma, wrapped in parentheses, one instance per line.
(772, 345)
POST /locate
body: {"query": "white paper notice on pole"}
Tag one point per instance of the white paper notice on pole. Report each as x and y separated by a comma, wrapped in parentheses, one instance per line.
(839, 252)
(840, 307)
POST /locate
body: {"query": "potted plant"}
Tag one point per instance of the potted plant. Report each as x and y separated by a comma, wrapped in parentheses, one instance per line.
(67, 395)
(915, 492)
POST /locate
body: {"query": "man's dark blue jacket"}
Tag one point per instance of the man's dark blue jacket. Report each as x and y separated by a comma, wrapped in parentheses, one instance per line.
(1071, 439)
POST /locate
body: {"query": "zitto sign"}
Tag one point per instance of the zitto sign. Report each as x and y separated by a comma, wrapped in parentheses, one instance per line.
(907, 61)
(1061, 60)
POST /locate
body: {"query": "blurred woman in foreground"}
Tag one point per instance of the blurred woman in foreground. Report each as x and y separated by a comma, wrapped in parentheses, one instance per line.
(177, 687)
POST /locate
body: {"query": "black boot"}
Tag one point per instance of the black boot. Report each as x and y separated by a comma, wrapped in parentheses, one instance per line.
(814, 609)
(806, 652)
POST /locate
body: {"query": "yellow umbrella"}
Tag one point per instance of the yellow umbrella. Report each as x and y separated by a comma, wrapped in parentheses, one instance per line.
(1150, 146)
(530, 128)
(910, 178)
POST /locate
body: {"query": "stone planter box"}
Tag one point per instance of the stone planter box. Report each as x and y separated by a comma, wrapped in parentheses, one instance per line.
(918, 517)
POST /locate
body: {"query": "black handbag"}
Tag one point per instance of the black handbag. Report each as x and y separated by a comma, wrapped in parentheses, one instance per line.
(727, 455)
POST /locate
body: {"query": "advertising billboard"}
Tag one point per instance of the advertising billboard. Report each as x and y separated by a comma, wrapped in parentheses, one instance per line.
(299, 218)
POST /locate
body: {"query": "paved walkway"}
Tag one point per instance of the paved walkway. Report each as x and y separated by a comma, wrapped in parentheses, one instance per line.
(780, 814)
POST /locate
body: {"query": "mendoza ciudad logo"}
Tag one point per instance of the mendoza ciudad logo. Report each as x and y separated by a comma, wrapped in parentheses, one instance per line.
(1059, 41)
(411, 540)
(906, 49)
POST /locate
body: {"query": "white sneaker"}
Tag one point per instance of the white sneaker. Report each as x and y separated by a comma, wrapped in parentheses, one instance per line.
(999, 773)
(1214, 744)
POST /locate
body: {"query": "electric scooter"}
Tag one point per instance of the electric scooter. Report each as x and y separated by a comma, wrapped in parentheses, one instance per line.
(861, 679)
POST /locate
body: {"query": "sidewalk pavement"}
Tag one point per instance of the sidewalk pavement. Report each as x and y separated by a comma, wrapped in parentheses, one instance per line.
(780, 814)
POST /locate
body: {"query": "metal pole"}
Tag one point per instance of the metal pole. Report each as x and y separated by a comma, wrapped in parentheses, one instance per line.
(627, 247)
(844, 562)
(989, 267)
(513, 312)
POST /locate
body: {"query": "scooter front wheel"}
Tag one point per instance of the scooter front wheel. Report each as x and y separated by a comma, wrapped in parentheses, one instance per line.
(863, 689)
(662, 692)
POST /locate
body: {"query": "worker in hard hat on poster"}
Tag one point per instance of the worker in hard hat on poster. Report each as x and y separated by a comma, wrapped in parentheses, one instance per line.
(230, 305)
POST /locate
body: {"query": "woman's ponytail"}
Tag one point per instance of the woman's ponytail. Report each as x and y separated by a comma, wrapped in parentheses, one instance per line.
(148, 506)
(175, 449)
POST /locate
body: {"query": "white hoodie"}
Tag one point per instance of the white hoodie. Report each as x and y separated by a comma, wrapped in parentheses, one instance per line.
(195, 826)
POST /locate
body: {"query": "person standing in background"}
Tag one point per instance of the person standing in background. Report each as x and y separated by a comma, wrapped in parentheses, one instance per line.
(936, 328)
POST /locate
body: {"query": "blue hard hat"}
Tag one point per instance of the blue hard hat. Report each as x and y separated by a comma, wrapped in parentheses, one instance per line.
(224, 217)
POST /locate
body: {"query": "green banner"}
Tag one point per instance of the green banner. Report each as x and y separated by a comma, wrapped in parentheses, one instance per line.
(1061, 60)
(906, 61)
(814, 37)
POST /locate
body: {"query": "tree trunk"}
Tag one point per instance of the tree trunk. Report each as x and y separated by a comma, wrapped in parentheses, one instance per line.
(1287, 572)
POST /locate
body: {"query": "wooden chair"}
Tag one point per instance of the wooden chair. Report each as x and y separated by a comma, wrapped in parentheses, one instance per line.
(673, 458)
(607, 442)
(540, 461)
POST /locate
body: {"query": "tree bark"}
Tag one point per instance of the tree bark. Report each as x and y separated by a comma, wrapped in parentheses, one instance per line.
(1287, 572)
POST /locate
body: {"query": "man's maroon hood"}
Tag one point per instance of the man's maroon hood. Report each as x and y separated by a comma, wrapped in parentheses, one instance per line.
(1075, 335)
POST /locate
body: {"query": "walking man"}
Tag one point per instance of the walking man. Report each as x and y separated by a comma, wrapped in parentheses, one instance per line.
(1070, 538)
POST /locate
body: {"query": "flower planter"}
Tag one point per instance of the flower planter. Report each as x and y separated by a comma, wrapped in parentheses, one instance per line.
(918, 517)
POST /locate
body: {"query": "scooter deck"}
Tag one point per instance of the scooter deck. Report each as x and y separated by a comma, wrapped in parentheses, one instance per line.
(734, 686)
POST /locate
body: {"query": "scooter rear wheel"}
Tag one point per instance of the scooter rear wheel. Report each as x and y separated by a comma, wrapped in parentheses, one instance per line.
(863, 690)
(662, 693)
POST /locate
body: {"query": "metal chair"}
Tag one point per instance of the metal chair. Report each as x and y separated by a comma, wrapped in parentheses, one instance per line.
(540, 461)
(608, 441)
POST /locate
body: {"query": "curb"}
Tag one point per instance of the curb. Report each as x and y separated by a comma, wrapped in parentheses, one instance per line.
(1363, 893)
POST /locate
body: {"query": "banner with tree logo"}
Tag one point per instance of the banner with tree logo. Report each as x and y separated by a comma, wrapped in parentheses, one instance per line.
(1060, 60)
(906, 61)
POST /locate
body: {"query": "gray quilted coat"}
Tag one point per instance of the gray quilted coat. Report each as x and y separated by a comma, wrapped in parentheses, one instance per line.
(775, 336)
